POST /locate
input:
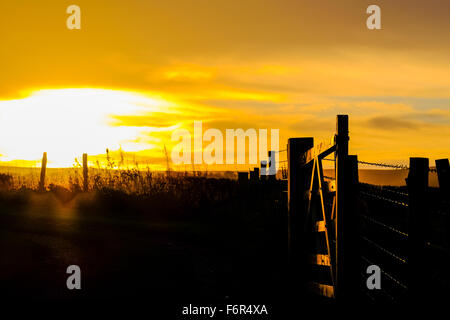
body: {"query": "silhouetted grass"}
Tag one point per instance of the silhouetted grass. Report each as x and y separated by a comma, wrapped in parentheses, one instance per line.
(160, 236)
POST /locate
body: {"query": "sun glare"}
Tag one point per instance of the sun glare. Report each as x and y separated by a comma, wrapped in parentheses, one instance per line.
(68, 122)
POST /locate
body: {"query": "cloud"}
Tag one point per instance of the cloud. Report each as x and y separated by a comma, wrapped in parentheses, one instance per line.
(388, 123)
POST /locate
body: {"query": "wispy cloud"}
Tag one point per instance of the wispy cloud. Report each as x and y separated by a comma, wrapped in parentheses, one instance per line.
(392, 124)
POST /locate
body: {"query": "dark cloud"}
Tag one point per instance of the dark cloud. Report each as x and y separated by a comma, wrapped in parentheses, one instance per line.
(389, 123)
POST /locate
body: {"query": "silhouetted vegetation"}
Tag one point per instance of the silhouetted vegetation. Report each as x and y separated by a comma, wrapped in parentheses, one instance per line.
(169, 237)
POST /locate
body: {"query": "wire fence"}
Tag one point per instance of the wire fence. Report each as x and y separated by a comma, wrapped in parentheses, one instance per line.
(386, 238)
(383, 165)
(399, 203)
(384, 225)
(381, 248)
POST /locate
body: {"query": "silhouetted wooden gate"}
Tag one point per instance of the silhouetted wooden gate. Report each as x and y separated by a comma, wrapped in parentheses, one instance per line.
(324, 206)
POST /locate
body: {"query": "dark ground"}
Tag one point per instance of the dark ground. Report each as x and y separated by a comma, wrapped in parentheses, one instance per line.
(156, 250)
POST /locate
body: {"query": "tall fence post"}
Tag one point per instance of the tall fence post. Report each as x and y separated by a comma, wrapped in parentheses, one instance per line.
(341, 204)
(349, 255)
(417, 182)
(43, 170)
(297, 186)
(85, 173)
(443, 173)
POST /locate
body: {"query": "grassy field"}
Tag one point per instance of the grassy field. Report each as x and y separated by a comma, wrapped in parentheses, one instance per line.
(140, 235)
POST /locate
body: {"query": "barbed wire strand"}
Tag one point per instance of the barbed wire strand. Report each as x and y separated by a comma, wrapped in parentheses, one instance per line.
(384, 250)
(380, 164)
(393, 166)
(385, 199)
(382, 188)
(384, 225)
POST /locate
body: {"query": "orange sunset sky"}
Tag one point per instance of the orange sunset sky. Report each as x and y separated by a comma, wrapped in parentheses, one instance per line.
(139, 69)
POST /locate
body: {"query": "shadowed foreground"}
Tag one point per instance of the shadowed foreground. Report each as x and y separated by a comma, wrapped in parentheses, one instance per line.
(163, 249)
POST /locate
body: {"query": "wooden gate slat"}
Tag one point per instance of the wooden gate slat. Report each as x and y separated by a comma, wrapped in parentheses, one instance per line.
(320, 226)
(319, 259)
(321, 289)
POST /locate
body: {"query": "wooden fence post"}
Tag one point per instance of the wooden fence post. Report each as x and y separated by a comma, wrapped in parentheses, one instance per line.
(297, 203)
(85, 173)
(341, 159)
(349, 254)
(417, 182)
(443, 173)
(43, 170)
